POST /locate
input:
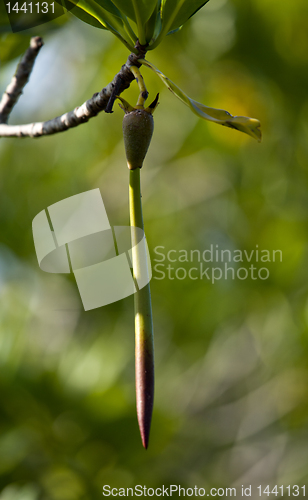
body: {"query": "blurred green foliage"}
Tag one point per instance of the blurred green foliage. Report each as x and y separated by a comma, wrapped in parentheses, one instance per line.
(231, 403)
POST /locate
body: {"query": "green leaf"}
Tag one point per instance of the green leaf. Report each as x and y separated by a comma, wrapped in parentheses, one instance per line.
(83, 16)
(139, 11)
(91, 8)
(108, 20)
(117, 19)
(153, 25)
(175, 13)
(110, 7)
(174, 31)
(135, 9)
(249, 126)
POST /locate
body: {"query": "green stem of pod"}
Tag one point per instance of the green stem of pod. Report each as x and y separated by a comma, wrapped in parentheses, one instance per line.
(144, 342)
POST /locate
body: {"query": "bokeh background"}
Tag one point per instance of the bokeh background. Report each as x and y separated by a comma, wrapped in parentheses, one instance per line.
(231, 402)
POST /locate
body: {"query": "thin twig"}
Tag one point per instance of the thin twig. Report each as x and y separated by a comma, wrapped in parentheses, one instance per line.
(83, 113)
(19, 80)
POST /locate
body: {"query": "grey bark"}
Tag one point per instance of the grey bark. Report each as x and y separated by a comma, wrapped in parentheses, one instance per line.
(101, 101)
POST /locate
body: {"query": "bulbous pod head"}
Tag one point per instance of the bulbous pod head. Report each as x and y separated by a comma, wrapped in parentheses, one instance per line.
(138, 126)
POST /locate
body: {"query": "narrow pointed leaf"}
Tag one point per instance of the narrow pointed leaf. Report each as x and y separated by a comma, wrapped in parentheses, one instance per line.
(175, 13)
(90, 8)
(115, 18)
(83, 16)
(249, 126)
(153, 25)
(109, 21)
(175, 30)
(135, 9)
(110, 7)
(139, 11)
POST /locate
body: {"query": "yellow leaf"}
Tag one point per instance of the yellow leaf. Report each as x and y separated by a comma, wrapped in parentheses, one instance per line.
(250, 126)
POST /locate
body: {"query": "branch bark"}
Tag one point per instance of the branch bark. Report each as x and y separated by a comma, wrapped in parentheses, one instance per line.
(19, 80)
(101, 101)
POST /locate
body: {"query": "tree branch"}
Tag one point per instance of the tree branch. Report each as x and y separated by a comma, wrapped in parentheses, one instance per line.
(19, 80)
(101, 101)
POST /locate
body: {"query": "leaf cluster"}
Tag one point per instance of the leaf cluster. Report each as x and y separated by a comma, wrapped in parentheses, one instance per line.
(148, 21)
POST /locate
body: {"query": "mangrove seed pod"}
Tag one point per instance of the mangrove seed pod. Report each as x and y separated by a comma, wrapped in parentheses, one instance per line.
(138, 128)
